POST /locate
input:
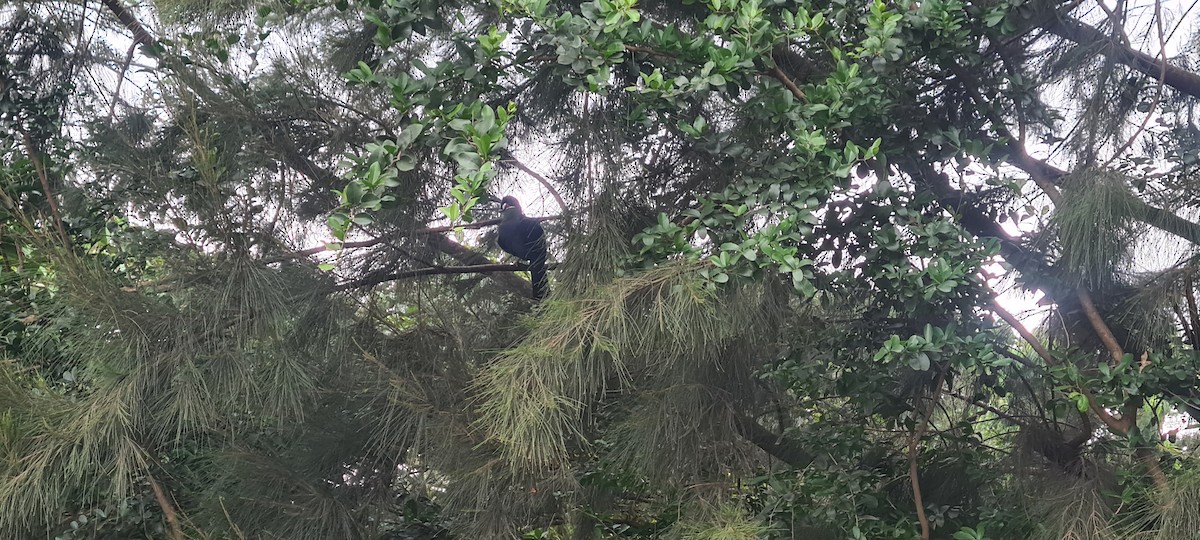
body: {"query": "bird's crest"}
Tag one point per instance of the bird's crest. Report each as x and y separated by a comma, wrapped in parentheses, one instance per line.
(508, 201)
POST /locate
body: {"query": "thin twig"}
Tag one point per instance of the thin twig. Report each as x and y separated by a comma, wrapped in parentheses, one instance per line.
(1158, 90)
(1108, 419)
(112, 106)
(1193, 312)
(509, 159)
(1024, 332)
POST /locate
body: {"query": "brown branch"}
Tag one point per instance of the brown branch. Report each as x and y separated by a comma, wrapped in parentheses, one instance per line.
(1178, 78)
(999, 413)
(1108, 419)
(1184, 325)
(112, 106)
(36, 157)
(140, 35)
(912, 455)
(1098, 324)
(1193, 313)
(376, 241)
(1158, 87)
(470, 257)
(1024, 332)
(777, 446)
(1149, 459)
(168, 509)
(433, 271)
(787, 81)
(647, 50)
(508, 158)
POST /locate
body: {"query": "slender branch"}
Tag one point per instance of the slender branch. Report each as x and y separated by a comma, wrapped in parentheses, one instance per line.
(912, 455)
(1158, 87)
(1193, 312)
(1098, 324)
(376, 241)
(1178, 78)
(167, 508)
(787, 81)
(999, 413)
(112, 106)
(1184, 325)
(433, 271)
(470, 257)
(509, 159)
(1149, 459)
(36, 157)
(1024, 332)
(140, 35)
(1108, 419)
(777, 446)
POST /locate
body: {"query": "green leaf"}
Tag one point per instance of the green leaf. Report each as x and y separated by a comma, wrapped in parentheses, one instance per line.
(919, 361)
(354, 193)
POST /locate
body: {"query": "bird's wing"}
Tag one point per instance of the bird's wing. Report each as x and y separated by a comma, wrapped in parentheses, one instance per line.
(535, 235)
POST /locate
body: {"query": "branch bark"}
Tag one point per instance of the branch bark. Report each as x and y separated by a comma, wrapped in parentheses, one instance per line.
(168, 509)
(509, 159)
(1178, 78)
(376, 241)
(469, 257)
(777, 446)
(1100, 327)
(912, 455)
(432, 271)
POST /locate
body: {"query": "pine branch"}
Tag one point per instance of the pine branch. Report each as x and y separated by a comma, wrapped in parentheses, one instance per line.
(777, 446)
(470, 257)
(1178, 78)
(507, 158)
(433, 271)
(376, 241)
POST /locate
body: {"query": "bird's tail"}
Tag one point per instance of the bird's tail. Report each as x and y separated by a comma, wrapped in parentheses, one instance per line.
(537, 274)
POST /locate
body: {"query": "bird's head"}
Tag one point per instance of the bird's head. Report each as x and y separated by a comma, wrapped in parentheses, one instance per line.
(510, 207)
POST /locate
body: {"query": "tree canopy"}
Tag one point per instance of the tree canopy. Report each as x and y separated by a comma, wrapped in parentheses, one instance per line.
(820, 269)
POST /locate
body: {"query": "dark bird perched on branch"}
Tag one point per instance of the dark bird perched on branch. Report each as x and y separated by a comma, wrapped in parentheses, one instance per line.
(523, 238)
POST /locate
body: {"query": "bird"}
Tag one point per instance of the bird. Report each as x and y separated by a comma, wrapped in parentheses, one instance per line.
(524, 238)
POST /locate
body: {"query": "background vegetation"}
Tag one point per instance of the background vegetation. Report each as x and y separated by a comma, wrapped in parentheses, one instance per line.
(249, 286)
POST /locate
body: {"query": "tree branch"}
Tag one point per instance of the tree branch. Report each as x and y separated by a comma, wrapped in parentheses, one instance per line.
(1178, 78)
(469, 257)
(39, 167)
(168, 509)
(1108, 419)
(791, 86)
(912, 455)
(1193, 312)
(1099, 326)
(376, 241)
(509, 159)
(777, 446)
(433, 271)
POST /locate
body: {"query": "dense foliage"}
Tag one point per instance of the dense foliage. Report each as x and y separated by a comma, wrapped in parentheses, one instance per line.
(250, 285)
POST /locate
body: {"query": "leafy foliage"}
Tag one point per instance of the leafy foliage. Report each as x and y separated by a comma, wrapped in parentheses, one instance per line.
(782, 230)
